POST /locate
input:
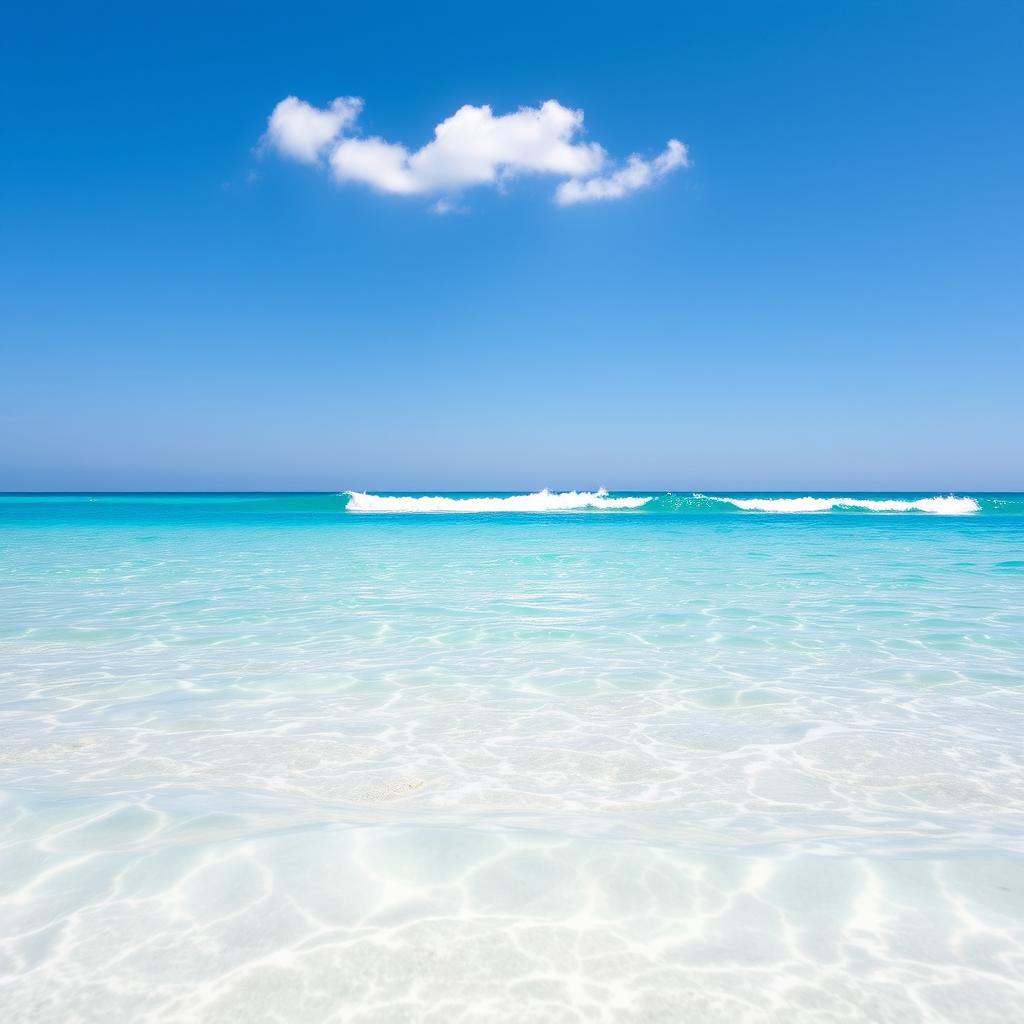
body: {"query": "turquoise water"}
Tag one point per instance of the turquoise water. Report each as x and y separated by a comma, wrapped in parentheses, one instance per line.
(645, 758)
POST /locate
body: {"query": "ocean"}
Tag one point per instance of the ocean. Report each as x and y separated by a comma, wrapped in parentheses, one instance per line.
(475, 758)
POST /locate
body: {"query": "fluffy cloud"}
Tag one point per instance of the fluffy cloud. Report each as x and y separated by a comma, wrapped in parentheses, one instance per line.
(302, 132)
(638, 173)
(472, 147)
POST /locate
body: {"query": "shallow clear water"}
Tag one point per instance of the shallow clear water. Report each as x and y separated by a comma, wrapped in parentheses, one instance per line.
(268, 758)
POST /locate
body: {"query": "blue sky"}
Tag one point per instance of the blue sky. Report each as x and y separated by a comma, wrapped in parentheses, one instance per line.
(828, 297)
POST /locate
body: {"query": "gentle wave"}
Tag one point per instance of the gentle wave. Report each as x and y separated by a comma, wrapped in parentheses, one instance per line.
(600, 501)
(541, 501)
(940, 505)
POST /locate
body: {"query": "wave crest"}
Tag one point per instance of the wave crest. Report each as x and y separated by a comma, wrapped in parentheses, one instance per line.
(940, 505)
(678, 504)
(541, 501)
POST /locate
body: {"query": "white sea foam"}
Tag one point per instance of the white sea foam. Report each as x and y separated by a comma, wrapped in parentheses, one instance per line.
(940, 505)
(541, 501)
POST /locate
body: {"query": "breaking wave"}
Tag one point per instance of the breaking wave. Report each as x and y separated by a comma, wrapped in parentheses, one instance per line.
(940, 505)
(541, 501)
(673, 504)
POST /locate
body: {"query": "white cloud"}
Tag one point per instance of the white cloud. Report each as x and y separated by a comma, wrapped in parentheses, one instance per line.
(384, 165)
(638, 173)
(302, 132)
(472, 147)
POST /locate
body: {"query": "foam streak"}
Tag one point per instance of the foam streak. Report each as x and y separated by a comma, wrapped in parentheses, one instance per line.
(541, 501)
(948, 505)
